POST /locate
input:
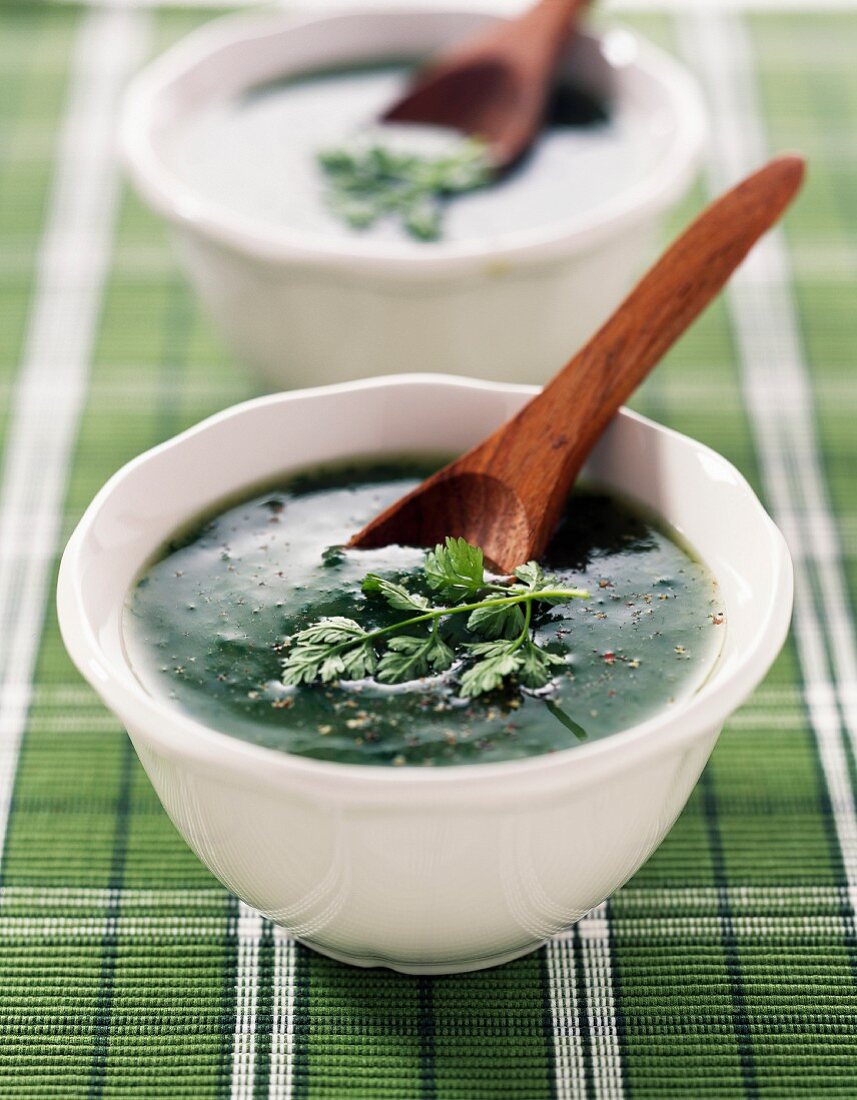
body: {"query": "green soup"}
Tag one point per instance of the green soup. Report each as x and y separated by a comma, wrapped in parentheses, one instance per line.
(207, 624)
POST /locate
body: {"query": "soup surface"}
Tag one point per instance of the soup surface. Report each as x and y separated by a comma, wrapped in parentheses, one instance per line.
(208, 624)
(256, 154)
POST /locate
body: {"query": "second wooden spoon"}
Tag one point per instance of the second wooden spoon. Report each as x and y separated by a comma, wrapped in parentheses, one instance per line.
(506, 494)
(494, 86)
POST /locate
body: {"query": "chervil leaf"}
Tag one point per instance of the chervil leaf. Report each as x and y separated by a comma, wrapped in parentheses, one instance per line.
(531, 574)
(406, 659)
(496, 622)
(367, 181)
(439, 655)
(303, 665)
(329, 631)
(359, 662)
(396, 595)
(356, 212)
(488, 674)
(330, 649)
(407, 643)
(409, 658)
(455, 568)
(332, 668)
(422, 219)
(536, 665)
(488, 649)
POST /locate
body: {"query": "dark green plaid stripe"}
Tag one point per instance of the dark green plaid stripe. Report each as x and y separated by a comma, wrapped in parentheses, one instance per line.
(725, 968)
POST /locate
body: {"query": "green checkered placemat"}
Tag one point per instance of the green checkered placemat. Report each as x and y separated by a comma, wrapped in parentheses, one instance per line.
(728, 965)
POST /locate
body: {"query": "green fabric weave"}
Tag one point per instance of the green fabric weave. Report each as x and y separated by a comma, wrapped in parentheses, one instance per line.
(727, 966)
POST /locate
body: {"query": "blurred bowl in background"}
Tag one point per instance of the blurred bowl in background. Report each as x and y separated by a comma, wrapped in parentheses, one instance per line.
(306, 308)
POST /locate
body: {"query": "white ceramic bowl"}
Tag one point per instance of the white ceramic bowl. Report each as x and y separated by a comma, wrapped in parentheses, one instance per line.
(424, 870)
(308, 310)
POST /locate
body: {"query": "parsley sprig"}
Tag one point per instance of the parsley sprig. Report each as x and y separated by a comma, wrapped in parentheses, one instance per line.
(499, 618)
(368, 181)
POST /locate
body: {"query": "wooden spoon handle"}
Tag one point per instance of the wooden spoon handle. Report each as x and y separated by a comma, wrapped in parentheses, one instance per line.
(548, 441)
(529, 53)
(543, 27)
(546, 25)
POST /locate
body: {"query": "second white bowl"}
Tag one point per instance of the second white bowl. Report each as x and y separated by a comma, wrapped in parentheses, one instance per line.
(307, 310)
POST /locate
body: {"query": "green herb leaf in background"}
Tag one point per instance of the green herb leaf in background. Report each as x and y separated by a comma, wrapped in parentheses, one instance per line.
(367, 181)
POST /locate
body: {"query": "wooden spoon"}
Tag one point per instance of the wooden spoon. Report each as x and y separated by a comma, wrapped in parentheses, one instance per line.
(507, 493)
(496, 85)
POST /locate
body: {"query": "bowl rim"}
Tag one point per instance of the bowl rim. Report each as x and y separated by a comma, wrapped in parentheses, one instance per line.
(183, 205)
(188, 738)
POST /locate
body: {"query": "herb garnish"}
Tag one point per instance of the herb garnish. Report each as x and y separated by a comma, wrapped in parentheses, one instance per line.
(498, 615)
(368, 181)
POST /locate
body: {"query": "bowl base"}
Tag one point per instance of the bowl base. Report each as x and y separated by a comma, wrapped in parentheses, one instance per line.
(462, 966)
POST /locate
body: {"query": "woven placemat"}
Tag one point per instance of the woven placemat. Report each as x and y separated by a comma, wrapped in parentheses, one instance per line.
(727, 966)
